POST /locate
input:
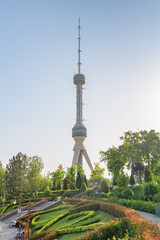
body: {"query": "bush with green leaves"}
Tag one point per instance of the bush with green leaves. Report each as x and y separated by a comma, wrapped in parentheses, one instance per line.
(104, 186)
(157, 197)
(135, 204)
(83, 186)
(127, 193)
(47, 192)
(149, 189)
(90, 192)
(52, 221)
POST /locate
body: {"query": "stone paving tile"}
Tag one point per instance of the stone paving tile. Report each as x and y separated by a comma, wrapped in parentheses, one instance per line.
(6, 232)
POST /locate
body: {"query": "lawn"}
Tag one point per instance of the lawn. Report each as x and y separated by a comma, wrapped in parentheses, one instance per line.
(98, 217)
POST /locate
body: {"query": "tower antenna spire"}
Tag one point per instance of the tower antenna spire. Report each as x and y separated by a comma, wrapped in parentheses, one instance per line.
(79, 47)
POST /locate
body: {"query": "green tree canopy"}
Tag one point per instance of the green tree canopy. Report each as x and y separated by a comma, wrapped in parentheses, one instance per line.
(97, 174)
(35, 168)
(16, 174)
(58, 177)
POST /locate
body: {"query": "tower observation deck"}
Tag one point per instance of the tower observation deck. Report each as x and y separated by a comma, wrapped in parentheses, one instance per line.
(79, 131)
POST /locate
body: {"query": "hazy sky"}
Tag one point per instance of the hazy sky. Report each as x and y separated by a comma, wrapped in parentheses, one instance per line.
(38, 58)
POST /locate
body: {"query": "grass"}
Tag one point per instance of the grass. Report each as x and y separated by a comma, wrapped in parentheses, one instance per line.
(99, 216)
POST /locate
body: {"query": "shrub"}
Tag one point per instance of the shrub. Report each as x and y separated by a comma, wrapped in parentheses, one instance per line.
(50, 223)
(127, 193)
(157, 197)
(90, 192)
(83, 186)
(107, 231)
(86, 214)
(104, 186)
(102, 195)
(47, 192)
(150, 189)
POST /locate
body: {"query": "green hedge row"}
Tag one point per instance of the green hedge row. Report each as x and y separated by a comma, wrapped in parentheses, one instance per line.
(52, 209)
(84, 207)
(92, 220)
(86, 214)
(135, 204)
(4, 209)
(54, 220)
(115, 229)
(79, 229)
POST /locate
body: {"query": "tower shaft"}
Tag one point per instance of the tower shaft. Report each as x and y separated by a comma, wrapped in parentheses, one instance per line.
(79, 131)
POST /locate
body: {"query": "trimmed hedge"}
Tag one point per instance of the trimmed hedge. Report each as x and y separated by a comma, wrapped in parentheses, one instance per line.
(79, 229)
(109, 230)
(86, 214)
(4, 209)
(136, 204)
(54, 220)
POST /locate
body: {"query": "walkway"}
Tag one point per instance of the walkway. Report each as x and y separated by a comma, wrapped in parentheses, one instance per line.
(9, 233)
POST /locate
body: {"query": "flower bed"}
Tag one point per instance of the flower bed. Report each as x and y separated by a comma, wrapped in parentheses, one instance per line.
(138, 227)
(128, 224)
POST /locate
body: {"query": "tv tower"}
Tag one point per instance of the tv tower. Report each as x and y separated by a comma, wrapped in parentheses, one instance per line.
(79, 131)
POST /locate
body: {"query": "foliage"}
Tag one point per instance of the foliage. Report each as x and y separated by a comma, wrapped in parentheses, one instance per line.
(16, 174)
(97, 174)
(157, 197)
(58, 177)
(137, 150)
(83, 186)
(122, 180)
(2, 185)
(52, 221)
(34, 173)
(45, 181)
(80, 176)
(127, 193)
(136, 204)
(147, 174)
(132, 180)
(47, 192)
(115, 161)
(104, 186)
(71, 177)
(150, 189)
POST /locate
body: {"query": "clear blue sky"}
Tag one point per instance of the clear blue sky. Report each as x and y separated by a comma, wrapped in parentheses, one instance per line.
(38, 59)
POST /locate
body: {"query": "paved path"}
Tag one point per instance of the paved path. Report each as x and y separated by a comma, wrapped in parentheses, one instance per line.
(151, 217)
(6, 232)
(9, 233)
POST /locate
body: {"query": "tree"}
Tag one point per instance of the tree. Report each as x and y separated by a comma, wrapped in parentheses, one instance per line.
(127, 193)
(150, 189)
(2, 185)
(104, 186)
(58, 177)
(97, 174)
(114, 159)
(122, 180)
(80, 176)
(132, 180)
(147, 174)
(138, 170)
(34, 173)
(16, 174)
(137, 150)
(71, 177)
(45, 181)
